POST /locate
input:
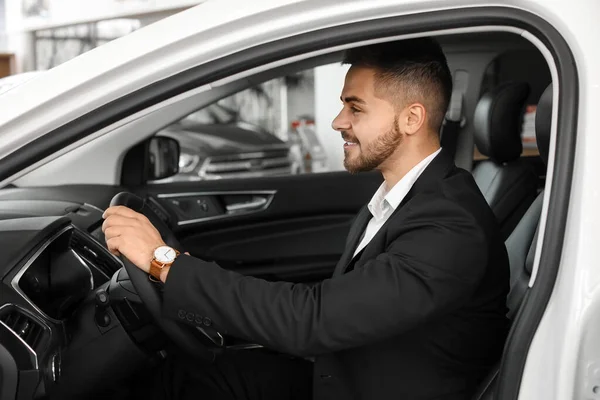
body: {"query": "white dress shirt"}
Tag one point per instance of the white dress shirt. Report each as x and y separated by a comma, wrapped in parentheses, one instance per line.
(383, 203)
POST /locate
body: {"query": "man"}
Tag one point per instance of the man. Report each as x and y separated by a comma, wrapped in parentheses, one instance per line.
(416, 306)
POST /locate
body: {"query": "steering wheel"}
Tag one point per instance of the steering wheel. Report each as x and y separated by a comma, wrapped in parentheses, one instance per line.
(150, 292)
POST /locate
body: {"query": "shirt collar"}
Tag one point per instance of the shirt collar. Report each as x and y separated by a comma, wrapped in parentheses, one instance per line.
(385, 202)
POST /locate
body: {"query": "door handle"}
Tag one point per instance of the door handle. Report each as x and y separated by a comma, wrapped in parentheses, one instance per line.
(198, 207)
(257, 203)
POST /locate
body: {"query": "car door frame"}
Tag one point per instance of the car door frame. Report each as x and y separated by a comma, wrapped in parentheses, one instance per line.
(546, 37)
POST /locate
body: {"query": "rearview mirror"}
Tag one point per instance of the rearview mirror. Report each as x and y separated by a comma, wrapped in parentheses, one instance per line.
(163, 158)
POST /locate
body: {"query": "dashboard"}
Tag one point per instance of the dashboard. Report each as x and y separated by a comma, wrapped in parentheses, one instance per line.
(70, 318)
(53, 261)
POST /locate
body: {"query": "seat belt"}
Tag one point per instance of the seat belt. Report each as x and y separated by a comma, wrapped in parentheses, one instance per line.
(453, 122)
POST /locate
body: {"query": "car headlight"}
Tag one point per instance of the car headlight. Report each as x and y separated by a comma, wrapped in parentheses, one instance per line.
(188, 162)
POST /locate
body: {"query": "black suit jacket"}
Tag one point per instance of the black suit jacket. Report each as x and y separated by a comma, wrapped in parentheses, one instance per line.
(419, 313)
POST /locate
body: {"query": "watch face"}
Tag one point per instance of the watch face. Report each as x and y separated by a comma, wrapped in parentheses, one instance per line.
(165, 254)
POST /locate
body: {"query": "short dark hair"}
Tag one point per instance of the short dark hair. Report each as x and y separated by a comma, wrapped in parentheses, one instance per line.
(412, 70)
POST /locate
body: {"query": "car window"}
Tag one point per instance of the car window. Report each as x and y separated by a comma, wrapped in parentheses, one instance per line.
(266, 130)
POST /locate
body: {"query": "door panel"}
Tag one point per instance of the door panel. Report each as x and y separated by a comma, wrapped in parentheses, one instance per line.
(193, 208)
(280, 228)
(287, 249)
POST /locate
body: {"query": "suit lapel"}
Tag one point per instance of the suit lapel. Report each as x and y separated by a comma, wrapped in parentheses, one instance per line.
(439, 168)
(356, 230)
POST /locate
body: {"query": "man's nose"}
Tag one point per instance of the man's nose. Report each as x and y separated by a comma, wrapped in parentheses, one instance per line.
(340, 123)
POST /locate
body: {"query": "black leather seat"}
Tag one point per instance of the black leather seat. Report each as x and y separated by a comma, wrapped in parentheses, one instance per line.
(522, 242)
(508, 183)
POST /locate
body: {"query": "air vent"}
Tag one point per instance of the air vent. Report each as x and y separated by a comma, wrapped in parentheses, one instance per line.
(32, 332)
(93, 253)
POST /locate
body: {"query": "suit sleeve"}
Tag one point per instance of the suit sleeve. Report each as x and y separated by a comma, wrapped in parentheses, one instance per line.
(429, 270)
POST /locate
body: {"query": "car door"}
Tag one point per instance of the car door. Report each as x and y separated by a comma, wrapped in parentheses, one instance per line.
(279, 228)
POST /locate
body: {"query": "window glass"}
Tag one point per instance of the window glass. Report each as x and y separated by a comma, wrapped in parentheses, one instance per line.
(280, 127)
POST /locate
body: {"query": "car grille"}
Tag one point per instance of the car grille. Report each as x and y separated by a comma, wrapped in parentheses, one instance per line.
(245, 165)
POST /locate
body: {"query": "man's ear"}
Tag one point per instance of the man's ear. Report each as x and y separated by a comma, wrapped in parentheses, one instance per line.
(413, 118)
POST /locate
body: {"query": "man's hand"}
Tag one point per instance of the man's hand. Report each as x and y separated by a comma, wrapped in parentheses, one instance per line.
(131, 234)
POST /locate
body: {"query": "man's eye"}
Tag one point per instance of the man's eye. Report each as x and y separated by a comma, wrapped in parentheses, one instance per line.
(354, 110)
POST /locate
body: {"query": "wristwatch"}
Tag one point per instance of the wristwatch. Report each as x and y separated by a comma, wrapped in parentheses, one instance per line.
(163, 257)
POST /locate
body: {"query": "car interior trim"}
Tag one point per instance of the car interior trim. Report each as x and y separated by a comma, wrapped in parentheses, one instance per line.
(8, 328)
(216, 193)
(55, 367)
(94, 207)
(86, 266)
(265, 198)
(248, 346)
(17, 277)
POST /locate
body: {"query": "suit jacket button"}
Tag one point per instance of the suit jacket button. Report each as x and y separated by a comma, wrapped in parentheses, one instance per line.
(190, 316)
(198, 320)
(207, 321)
(181, 314)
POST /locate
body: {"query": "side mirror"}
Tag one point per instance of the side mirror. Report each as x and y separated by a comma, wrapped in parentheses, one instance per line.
(163, 158)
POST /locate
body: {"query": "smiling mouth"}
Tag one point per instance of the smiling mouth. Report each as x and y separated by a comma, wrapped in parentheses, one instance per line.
(348, 143)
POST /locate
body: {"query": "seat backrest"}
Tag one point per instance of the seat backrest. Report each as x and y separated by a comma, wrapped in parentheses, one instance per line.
(521, 246)
(508, 183)
(522, 242)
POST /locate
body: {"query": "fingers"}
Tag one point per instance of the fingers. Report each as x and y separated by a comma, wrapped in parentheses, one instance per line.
(123, 216)
(124, 212)
(116, 226)
(119, 220)
(113, 244)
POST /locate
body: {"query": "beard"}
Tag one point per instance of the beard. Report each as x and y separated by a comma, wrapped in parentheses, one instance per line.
(375, 153)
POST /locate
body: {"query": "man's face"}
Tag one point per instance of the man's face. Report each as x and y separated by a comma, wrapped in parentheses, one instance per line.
(368, 124)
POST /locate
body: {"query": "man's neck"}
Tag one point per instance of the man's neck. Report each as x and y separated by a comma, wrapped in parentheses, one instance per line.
(396, 168)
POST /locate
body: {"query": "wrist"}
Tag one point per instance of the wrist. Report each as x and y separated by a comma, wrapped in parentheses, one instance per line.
(163, 274)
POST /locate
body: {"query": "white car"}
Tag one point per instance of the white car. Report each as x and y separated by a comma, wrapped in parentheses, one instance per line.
(71, 138)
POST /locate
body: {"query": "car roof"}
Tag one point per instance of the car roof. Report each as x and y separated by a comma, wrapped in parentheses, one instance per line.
(10, 82)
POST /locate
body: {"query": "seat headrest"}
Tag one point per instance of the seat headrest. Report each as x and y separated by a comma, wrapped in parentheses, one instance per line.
(543, 123)
(498, 121)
